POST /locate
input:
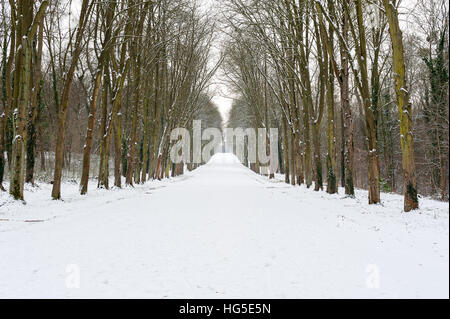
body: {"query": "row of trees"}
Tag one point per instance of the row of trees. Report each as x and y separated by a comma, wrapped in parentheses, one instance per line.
(358, 102)
(337, 76)
(114, 76)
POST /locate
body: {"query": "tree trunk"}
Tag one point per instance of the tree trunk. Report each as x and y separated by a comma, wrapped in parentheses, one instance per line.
(293, 155)
(145, 146)
(62, 112)
(404, 108)
(36, 105)
(105, 139)
(285, 149)
(346, 115)
(102, 60)
(132, 145)
(118, 151)
(26, 30)
(318, 180)
(7, 96)
(362, 80)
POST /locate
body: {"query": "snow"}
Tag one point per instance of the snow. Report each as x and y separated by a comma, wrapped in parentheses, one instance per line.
(220, 231)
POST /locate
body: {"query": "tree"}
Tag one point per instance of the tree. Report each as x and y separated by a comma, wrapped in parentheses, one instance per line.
(27, 25)
(404, 108)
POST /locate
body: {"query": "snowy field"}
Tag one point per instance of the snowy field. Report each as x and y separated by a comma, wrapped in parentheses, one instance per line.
(220, 231)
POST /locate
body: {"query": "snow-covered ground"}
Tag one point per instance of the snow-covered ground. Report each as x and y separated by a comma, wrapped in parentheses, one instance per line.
(220, 231)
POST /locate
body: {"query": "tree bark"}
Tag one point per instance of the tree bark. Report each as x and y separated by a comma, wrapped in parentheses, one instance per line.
(285, 149)
(36, 105)
(26, 30)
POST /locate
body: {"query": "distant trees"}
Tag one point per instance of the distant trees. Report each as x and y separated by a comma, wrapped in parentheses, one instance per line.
(314, 46)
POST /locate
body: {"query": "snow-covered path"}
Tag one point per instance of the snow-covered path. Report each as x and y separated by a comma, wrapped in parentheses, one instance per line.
(221, 231)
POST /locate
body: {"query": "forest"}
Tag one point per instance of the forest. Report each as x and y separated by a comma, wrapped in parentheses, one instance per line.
(220, 149)
(90, 90)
